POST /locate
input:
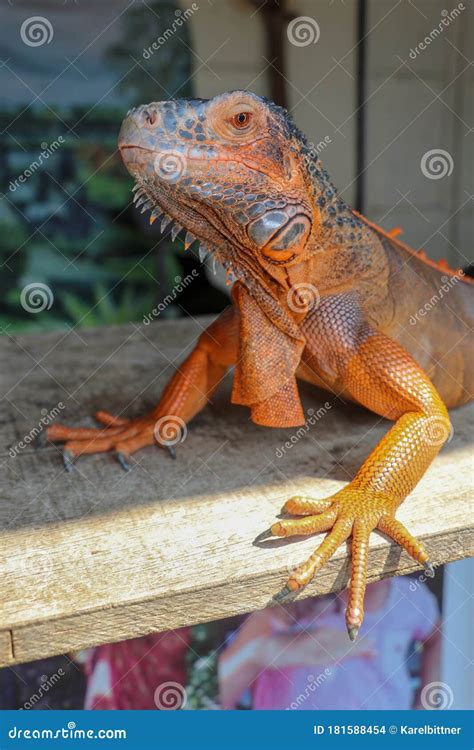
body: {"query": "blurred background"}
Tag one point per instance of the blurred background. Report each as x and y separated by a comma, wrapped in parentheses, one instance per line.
(382, 88)
(387, 115)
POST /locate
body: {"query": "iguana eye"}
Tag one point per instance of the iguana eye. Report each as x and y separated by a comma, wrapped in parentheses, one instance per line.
(241, 120)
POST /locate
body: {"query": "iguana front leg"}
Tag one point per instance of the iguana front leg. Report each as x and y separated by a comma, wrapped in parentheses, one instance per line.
(185, 395)
(379, 374)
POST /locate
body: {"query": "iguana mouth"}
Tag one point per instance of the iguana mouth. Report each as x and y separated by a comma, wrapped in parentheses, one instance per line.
(133, 146)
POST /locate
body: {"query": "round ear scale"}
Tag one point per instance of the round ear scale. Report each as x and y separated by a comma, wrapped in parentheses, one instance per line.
(278, 236)
(263, 229)
(294, 233)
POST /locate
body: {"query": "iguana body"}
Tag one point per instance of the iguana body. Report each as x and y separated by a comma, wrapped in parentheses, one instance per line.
(320, 294)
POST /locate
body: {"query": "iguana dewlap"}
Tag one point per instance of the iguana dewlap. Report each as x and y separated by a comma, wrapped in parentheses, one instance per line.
(320, 293)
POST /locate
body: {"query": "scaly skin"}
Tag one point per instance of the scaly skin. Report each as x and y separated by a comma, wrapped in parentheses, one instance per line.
(320, 294)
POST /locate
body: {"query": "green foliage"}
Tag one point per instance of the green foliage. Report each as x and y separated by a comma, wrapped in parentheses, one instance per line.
(104, 309)
(70, 226)
(201, 686)
(106, 190)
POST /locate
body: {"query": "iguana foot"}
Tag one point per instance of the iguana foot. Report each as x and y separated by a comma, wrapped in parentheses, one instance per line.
(351, 511)
(119, 435)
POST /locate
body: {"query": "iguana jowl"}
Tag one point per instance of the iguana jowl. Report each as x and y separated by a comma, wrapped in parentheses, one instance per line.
(320, 294)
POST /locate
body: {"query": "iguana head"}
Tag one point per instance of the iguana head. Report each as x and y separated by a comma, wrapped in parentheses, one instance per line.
(230, 171)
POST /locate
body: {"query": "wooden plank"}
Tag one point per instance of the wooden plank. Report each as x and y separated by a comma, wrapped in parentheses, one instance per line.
(6, 647)
(100, 555)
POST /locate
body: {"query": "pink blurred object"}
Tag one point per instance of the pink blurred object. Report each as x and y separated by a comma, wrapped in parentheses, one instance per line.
(142, 673)
(379, 682)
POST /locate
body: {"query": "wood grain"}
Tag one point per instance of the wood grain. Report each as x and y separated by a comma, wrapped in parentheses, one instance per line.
(100, 555)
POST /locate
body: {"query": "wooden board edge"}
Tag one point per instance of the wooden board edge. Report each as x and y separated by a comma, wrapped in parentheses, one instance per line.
(7, 653)
(130, 620)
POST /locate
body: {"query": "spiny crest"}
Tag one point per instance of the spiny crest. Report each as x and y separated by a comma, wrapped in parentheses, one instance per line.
(142, 198)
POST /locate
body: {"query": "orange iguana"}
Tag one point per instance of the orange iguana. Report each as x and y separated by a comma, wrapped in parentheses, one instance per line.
(320, 294)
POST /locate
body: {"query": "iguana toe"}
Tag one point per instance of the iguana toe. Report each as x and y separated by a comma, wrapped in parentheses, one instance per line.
(348, 513)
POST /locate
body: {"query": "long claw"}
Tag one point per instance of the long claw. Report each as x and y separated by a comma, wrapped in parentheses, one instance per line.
(264, 535)
(123, 461)
(286, 594)
(172, 451)
(429, 569)
(358, 582)
(68, 460)
(353, 630)
(40, 440)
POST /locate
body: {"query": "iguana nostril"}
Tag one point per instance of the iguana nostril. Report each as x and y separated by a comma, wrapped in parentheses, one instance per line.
(150, 116)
